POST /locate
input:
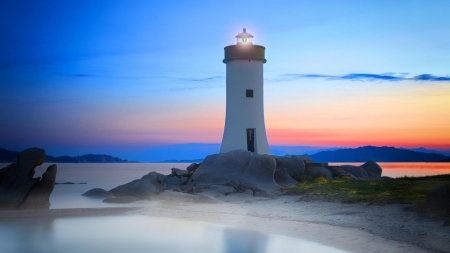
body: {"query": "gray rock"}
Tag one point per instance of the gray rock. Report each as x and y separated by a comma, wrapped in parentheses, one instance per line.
(121, 200)
(191, 168)
(39, 196)
(305, 158)
(179, 173)
(5, 169)
(155, 176)
(356, 171)
(283, 178)
(372, 168)
(319, 172)
(17, 179)
(294, 166)
(140, 188)
(239, 168)
(172, 182)
(218, 190)
(98, 193)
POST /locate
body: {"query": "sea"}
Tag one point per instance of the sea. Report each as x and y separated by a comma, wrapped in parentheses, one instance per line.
(138, 233)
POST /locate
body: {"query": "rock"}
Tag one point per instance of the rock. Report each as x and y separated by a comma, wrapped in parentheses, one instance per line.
(283, 178)
(357, 171)
(305, 158)
(294, 166)
(139, 188)
(4, 170)
(191, 168)
(238, 168)
(179, 173)
(218, 190)
(372, 168)
(17, 179)
(98, 193)
(121, 200)
(154, 176)
(39, 197)
(172, 182)
(319, 172)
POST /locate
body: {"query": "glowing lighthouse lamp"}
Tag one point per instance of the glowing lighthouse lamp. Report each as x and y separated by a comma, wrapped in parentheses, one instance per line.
(244, 120)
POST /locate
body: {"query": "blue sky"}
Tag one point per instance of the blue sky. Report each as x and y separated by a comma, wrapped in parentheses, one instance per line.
(126, 77)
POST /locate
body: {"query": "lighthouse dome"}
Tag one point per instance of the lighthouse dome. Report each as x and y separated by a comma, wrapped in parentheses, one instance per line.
(244, 37)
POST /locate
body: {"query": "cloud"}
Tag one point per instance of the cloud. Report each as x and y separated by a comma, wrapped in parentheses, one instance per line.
(392, 77)
(207, 79)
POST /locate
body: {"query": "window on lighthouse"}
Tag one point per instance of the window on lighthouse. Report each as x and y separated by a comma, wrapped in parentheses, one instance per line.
(249, 93)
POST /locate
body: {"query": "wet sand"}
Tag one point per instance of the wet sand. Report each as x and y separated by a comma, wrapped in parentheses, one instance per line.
(350, 227)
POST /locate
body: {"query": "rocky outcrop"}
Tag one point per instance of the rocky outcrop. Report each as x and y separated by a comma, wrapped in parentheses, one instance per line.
(356, 171)
(294, 166)
(319, 172)
(240, 169)
(18, 188)
(372, 168)
(144, 188)
(39, 197)
(98, 193)
(283, 178)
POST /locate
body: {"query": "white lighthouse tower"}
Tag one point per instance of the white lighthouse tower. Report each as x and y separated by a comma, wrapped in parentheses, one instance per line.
(244, 121)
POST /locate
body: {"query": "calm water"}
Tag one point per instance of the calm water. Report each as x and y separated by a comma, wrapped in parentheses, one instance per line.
(141, 234)
(147, 234)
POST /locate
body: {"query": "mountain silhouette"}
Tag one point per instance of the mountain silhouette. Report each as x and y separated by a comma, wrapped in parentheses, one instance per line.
(378, 154)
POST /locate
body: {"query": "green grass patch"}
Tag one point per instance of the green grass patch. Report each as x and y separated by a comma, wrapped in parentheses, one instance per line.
(405, 190)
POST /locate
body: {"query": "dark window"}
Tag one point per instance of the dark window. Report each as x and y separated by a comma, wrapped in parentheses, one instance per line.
(249, 93)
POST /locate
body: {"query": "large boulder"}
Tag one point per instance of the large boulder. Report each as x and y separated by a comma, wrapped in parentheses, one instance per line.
(179, 173)
(372, 168)
(39, 197)
(154, 176)
(305, 158)
(283, 178)
(98, 193)
(17, 183)
(357, 171)
(191, 168)
(218, 190)
(144, 188)
(172, 182)
(139, 188)
(238, 168)
(319, 172)
(294, 166)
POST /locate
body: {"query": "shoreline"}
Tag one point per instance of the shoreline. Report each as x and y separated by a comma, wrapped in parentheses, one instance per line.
(351, 227)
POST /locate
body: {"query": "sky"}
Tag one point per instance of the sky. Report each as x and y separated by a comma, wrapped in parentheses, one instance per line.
(142, 79)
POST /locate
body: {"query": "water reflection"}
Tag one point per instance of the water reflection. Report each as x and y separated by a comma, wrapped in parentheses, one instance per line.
(26, 235)
(244, 241)
(139, 233)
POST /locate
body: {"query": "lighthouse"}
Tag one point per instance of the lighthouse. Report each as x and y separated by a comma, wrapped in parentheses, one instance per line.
(244, 119)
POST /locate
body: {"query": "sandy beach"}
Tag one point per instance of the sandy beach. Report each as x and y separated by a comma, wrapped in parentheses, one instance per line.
(350, 227)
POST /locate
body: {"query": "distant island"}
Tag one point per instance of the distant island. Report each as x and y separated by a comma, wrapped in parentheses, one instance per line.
(378, 154)
(361, 154)
(8, 156)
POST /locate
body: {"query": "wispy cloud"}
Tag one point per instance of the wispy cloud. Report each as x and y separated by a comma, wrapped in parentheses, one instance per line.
(203, 80)
(367, 77)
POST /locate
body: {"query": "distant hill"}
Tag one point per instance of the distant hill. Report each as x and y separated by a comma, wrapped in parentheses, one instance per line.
(8, 156)
(378, 154)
